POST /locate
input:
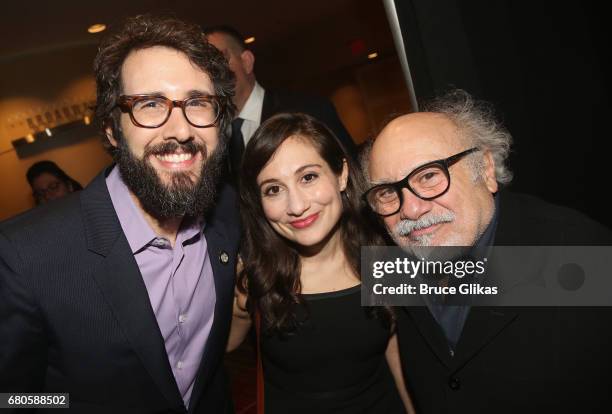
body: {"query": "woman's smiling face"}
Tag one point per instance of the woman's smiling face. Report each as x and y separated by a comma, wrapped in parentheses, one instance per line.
(300, 194)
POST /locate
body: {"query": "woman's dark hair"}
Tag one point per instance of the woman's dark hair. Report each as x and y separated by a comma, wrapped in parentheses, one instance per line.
(50, 167)
(271, 271)
(145, 31)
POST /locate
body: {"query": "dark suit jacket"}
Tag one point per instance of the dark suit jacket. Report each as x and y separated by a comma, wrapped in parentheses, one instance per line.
(322, 109)
(515, 360)
(75, 316)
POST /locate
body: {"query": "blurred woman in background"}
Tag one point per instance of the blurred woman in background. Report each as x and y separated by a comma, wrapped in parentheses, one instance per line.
(50, 182)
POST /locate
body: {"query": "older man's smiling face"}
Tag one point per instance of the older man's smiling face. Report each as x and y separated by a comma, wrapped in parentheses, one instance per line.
(456, 218)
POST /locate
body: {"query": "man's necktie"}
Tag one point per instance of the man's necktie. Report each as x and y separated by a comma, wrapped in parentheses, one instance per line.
(236, 148)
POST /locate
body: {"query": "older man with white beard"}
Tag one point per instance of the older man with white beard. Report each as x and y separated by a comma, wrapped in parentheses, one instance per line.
(435, 181)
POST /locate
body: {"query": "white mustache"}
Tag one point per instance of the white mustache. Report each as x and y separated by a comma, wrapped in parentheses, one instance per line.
(407, 226)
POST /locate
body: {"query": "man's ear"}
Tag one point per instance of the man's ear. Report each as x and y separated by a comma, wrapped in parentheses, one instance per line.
(248, 61)
(343, 178)
(489, 172)
(109, 134)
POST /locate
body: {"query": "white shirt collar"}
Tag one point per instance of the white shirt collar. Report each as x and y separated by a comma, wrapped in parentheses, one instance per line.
(254, 105)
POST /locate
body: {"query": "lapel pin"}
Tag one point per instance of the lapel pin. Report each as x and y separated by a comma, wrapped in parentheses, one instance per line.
(223, 257)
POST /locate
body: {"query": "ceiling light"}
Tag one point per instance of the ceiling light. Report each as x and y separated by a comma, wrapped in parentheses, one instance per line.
(249, 40)
(373, 55)
(96, 28)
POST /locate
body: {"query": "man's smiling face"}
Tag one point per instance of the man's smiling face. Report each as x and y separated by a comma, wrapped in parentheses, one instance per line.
(170, 160)
(456, 218)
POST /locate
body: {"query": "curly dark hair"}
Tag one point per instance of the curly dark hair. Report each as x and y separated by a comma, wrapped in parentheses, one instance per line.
(271, 275)
(145, 31)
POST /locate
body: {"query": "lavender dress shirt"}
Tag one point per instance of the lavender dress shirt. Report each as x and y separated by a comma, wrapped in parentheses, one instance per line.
(179, 283)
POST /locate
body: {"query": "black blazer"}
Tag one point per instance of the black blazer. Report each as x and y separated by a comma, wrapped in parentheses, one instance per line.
(276, 101)
(515, 360)
(75, 316)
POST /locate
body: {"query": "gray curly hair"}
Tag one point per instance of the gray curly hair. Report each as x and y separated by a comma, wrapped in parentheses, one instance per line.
(478, 126)
(476, 123)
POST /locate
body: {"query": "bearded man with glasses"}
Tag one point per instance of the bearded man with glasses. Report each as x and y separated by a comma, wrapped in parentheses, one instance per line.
(122, 295)
(436, 179)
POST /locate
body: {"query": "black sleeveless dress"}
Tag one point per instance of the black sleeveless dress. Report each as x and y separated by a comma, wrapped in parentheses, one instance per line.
(334, 363)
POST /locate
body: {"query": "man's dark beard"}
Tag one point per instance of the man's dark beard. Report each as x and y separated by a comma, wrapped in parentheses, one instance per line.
(186, 195)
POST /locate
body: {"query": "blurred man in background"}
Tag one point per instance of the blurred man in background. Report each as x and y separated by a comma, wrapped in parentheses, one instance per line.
(256, 104)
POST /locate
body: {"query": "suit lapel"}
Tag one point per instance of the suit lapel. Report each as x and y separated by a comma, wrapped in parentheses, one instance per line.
(431, 332)
(482, 324)
(269, 105)
(223, 263)
(120, 281)
(481, 327)
(485, 323)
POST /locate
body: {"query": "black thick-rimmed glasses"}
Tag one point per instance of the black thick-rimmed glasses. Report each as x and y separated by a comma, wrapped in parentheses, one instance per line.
(427, 182)
(152, 111)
